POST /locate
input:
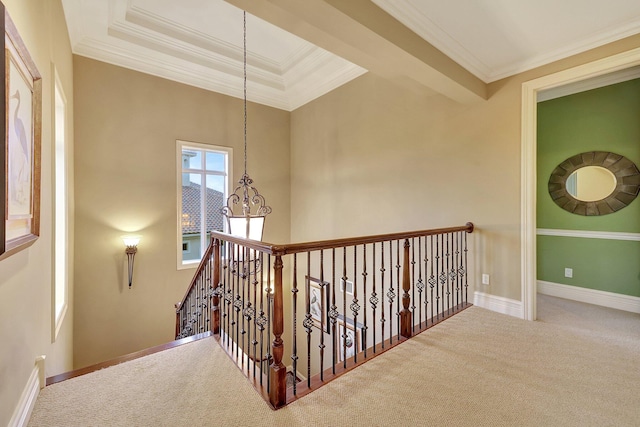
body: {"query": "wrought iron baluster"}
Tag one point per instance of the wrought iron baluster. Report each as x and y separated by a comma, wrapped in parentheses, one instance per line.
(242, 306)
(322, 315)
(432, 280)
(253, 312)
(420, 286)
(382, 270)
(448, 274)
(308, 321)
(269, 316)
(413, 286)
(454, 268)
(237, 303)
(364, 293)
(439, 277)
(373, 300)
(261, 319)
(406, 321)
(355, 306)
(391, 293)
(333, 312)
(343, 333)
(294, 290)
(398, 285)
(228, 295)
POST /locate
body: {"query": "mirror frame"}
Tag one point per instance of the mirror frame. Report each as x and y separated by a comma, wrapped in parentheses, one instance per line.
(626, 190)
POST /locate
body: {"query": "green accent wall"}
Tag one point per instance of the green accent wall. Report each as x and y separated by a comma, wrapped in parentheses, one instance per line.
(606, 265)
(603, 119)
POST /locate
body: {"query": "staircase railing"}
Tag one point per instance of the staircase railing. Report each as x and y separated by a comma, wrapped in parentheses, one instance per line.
(193, 312)
(322, 307)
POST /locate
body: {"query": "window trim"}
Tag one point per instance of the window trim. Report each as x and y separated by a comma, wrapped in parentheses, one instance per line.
(180, 145)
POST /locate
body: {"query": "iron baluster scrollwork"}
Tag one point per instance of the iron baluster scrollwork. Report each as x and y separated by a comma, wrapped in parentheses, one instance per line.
(356, 306)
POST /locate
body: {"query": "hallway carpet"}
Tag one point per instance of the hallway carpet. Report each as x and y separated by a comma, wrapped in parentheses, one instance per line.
(478, 368)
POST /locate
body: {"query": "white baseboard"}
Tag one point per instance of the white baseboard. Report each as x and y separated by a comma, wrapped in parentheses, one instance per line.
(499, 304)
(590, 296)
(27, 401)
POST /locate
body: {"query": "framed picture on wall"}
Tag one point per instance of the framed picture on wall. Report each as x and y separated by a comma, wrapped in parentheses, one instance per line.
(21, 154)
(318, 302)
(349, 339)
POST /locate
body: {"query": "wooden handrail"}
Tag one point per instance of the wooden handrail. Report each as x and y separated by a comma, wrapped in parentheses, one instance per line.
(234, 274)
(293, 248)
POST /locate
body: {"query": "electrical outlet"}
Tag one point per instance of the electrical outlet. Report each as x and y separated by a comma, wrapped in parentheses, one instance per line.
(568, 272)
(485, 279)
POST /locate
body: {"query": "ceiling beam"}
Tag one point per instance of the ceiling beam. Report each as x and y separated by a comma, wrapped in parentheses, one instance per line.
(361, 32)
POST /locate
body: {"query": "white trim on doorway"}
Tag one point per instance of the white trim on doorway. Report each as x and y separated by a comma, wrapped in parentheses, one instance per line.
(530, 90)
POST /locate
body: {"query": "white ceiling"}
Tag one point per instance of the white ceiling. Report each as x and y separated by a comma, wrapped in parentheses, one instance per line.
(494, 39)
(199, 42)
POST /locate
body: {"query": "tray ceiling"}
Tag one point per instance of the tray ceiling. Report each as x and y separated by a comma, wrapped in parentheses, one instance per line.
(199, 42)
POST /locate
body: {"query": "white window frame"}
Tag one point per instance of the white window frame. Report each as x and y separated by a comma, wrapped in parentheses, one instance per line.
(60, 178)
(180, 145)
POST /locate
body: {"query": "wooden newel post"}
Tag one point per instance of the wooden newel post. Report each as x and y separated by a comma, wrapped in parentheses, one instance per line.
(278, 384)
(405, 314)
(215, 282)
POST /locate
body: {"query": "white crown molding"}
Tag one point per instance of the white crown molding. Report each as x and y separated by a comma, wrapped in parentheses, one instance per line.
(586, 234)
(590, 296)
(178, 72)
(215, 59)
(123, 33)
(172, 30)
(289, 98)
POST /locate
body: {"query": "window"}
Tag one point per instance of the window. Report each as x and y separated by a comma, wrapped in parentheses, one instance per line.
(202, 192)
(61, 240)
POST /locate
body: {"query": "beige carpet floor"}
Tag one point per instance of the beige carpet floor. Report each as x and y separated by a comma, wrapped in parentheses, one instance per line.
(478, 368)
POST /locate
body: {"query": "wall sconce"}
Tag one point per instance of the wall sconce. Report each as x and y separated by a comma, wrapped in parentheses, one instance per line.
(131, 243)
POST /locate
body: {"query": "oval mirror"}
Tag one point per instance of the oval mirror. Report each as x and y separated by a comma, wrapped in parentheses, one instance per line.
(591, 183)
(594, 183)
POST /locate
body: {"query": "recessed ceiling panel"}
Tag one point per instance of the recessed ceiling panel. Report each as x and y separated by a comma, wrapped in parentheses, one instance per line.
(200, 42)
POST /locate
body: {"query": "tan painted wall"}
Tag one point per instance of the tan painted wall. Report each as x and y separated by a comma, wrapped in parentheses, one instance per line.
(26, 277)
(126, 126)
(373, 157)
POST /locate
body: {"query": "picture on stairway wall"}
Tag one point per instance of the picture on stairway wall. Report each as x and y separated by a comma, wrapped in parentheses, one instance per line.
(318, 302)
(348, 339)
(22, 128)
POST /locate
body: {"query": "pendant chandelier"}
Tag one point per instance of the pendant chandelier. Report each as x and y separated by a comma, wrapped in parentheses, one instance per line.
(246, 223)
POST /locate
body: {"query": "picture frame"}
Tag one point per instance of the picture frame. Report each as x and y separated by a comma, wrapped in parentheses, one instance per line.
(318, 302)
(22, 129)
(353, 336)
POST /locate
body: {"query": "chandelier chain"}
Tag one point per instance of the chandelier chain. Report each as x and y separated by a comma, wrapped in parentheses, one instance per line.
(245, 88)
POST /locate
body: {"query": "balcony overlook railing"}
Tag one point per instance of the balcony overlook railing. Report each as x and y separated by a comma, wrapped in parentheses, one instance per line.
(296, 316)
